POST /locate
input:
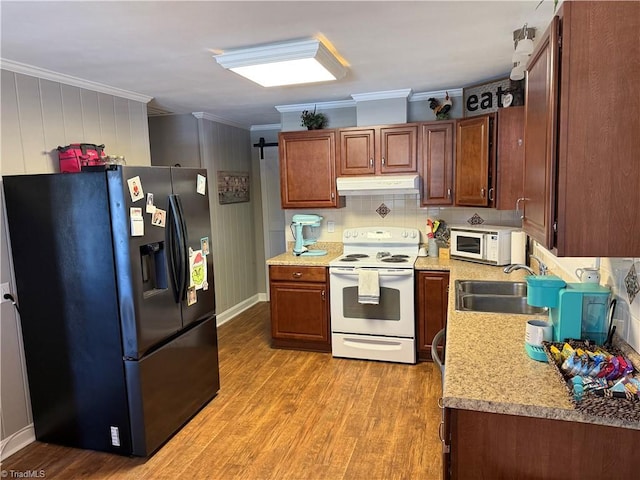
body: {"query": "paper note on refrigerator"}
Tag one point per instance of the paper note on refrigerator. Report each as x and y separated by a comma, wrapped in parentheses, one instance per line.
(197, 270)
(201, 185)
(135, 189)
(137, 222)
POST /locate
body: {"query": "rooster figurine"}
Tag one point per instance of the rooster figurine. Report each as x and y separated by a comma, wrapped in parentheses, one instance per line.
(441, 111)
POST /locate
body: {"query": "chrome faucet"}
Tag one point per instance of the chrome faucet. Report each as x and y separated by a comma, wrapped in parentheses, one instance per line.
(517, 266)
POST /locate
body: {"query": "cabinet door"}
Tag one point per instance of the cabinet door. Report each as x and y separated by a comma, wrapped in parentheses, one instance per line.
(436, 163)
(540, 140)
(598, 149)
(299, 311)
(433, 296)
(398, 149)
(307, 169)
(357, 151)
(510, 157)
(472, 161)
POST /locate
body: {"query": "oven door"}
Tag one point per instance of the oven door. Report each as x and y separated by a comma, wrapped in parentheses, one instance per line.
(392, 316)
(466, 244)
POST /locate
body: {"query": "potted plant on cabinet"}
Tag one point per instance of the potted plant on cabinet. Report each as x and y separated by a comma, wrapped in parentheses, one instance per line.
(313, 120)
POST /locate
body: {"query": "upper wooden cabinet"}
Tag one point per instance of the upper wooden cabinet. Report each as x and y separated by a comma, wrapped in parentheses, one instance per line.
(435, 162)
(475, 161)
(378, 150)
(307, 169)
(510, 157)
(582, 124)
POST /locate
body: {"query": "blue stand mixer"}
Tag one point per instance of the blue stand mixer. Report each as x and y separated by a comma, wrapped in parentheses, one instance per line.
(298, 222)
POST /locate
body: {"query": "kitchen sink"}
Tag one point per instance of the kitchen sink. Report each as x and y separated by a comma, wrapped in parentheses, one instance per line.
(518, 289)
(494, 296)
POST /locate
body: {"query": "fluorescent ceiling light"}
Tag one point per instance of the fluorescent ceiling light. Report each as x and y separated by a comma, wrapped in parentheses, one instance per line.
(285, 63)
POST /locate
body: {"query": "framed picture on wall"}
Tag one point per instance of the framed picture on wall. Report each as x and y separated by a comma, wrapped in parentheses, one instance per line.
(233, 187)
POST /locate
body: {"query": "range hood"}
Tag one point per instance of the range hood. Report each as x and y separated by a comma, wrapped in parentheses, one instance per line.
(378, 185)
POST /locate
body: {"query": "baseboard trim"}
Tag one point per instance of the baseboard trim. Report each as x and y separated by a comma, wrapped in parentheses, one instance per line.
(237, 309)
(17, 441)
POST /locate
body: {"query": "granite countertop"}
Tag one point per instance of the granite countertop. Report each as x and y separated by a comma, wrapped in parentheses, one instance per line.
(334, 250)
(486, 366)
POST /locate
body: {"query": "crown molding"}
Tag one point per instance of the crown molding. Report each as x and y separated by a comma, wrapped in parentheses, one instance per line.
(269, 126)
(44, 74)
(217, 119)
(321, 105)
(423, 96)
(365, 97)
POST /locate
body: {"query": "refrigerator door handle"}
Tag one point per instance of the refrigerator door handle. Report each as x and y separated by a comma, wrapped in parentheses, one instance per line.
(176, 256)
(184, 273)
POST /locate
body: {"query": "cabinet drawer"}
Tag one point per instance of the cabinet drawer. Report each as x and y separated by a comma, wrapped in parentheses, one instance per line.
(293, 273)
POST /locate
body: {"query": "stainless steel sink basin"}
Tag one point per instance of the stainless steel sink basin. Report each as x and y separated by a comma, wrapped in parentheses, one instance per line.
(518, 289)
(498, 304)
(493, 296)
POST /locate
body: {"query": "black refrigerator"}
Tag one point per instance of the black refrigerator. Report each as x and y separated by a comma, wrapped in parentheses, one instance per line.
(114, 279)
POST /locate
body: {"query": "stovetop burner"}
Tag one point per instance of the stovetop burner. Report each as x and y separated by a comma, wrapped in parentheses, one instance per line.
(395, 259)
(353, 257)
(378, 247)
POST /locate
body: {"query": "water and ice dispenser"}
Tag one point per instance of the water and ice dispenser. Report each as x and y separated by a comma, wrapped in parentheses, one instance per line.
(576, 310)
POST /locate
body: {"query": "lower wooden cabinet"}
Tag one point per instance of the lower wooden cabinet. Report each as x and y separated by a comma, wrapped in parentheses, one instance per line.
(300, 308)
(431, 310)
(496, 446)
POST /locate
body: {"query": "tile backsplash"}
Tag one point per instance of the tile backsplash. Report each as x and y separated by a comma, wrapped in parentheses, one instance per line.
(398, 211)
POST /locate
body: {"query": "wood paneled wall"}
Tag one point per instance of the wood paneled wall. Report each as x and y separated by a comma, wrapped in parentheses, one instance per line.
(228, 148)
(37, 116)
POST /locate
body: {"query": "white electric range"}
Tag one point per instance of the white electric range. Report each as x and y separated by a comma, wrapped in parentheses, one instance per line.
(385, 329)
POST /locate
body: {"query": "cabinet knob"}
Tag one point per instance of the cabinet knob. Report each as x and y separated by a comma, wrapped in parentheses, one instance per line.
(333, 195)
(371, 163)
(324, 295)
(482, 192)
(448, 193)
(297, 274)
(491, 194)
(383, 161)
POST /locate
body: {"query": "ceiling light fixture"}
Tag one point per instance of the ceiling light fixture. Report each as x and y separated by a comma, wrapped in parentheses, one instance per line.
(523, 46)
(284, 63)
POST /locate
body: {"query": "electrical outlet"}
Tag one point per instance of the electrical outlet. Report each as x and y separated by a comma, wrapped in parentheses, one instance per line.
(5, 290)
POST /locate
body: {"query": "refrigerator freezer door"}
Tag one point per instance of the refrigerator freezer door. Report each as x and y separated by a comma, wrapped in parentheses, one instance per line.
(61, 244)
(169, 386)
(148, 311)
(195, 208)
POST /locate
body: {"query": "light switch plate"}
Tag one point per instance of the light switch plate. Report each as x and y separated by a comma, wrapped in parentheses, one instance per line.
(331, 226)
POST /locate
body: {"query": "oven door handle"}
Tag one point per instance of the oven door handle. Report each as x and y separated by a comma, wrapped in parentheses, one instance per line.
(381, 272)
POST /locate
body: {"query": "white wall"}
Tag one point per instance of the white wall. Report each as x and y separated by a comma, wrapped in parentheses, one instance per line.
(37, 116)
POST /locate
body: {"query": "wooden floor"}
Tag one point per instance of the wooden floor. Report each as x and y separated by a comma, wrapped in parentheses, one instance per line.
(283, 414)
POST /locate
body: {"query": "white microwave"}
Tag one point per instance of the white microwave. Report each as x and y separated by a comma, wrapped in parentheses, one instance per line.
(483, 244)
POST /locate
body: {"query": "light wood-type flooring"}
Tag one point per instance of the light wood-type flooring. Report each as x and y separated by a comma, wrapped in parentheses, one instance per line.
(282, 414)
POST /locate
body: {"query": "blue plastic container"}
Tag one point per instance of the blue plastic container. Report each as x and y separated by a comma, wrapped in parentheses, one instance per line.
(543, 290)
